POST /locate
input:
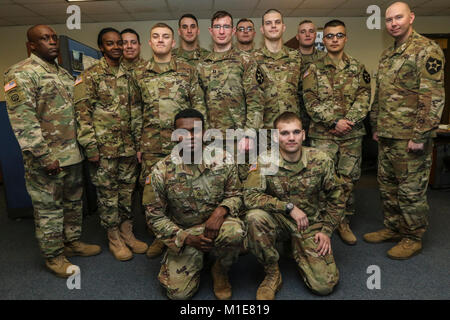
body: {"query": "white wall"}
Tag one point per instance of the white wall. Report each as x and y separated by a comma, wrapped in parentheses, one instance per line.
(365, 45)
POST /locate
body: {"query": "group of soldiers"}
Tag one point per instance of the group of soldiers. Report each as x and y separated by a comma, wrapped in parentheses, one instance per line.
(120, 115)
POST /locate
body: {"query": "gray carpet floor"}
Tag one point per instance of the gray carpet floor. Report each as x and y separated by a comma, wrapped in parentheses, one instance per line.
(426, 276)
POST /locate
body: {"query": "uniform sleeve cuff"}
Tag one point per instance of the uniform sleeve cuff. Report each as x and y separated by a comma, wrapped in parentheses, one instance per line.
(46, 160)
(92, 152)
(180, 238)
(327, 230)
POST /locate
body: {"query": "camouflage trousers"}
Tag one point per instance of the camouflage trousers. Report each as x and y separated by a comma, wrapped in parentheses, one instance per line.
(148, 161)
(115, 180)
(403, 180)
(57, 204)
(347, 155)
(180, 272)
(319, 273)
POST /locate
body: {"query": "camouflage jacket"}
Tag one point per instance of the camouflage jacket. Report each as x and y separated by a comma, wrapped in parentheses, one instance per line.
(39, 99)
(191, 57)
(336, 92)
(300, 183)
(164, 91)
(180, 196)
(232, 84)
(307, 59)
(409, 97)
(108, 111)
(282, 84)
(131, 66)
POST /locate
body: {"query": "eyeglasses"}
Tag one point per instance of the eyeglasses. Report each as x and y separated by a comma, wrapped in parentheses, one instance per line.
(338, 35)
(225, 26)
(248, 29)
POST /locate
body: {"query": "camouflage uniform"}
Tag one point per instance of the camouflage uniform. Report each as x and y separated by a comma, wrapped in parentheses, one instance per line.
(267, 196)
(39, 98)
(282, 87)
(408, 105)
(190, 57)
(109, 122)
(338, 92)
(165, 90)
(307, 59)
(232, 83)
(179, 199)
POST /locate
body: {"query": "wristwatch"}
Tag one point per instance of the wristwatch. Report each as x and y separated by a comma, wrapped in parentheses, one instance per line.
(334, 124)
(289, 208)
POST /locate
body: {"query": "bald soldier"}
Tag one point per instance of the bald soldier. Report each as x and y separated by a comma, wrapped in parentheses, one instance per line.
(282, 66)
(39, 100)
(406, 112)
(189, 50)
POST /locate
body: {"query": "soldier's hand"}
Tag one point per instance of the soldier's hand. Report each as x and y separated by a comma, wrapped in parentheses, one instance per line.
(414, 147)
(324, 246)
(344, 126)
(53, 168)
(94, 160)
(300, 217)
(375, 136)
(139, 156)
(215, 221)
(199, 242)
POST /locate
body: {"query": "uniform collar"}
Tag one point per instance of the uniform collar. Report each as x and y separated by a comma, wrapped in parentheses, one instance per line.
(406, 44)
(152, 65)
(284, 52)
(210, 160)
(109, 70)
(217, 56)
(329, 62)
(298, 166)
(49, 67)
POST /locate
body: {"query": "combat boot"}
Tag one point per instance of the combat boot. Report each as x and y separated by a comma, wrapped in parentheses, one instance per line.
(381, 236)
(117, 247)
(346, 233)
(222, 287)
(126, 232)
(155, 249)
(59, 266)
(405, 249)
(78, 248)
(271, 283)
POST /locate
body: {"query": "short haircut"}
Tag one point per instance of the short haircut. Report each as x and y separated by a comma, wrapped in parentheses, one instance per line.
(129, 30)
(305, 21)
(189, 113)
(162, 25)
(102, 33)
(187, 15)
(334, 23)
(221, 14)
(270, 11)
(245, 20)
(287, 117)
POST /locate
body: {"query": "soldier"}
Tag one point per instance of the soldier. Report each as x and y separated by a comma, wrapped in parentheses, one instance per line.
(166, 85)
(281, 65)
(286, 204)
(39, 99)
(337, 97)
(406, 112)
(189, 50)
(306, 36)
(231, 81)
(194, 209)
(108, 115)
(245, 34)
(131, 49)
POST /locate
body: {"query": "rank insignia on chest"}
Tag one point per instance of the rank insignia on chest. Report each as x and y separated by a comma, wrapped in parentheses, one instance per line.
(433, 65)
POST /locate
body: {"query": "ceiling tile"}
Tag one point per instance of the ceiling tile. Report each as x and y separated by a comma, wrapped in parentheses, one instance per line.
(359, 12)
(155, 16)
(140, 6)
(16, 11)
(39, 1)
(436, 4)
(200, 14)
(236, 5)
(111, 17)
(279, 4)
(310, 13)
(361, 4)
(321, 4)
(421, 11)
(58, 9)
(190, 6)
(20, 21)
(100, 7)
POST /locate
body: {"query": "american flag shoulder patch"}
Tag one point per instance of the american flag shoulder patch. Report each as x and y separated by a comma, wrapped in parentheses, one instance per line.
(10, 85)
(253, 167)
(78, 80)
(147, 180)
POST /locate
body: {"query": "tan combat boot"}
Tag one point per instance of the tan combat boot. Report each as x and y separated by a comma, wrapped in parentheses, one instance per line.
(59, 266)
(222, 287)
(117, 247)
(271, 283)
(381, 236)
(405, 249)
(155, 249)
(346, 233)
(78, 248)
(126, 232)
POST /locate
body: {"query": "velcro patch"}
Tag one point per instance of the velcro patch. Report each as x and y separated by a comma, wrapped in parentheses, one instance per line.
(253, 167)
(10, 85)
(306, 74)
(433, 65)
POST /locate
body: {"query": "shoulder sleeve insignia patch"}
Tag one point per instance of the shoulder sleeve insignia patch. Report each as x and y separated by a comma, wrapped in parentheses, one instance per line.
(433, 65)
(366, 76)
(259, 76)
